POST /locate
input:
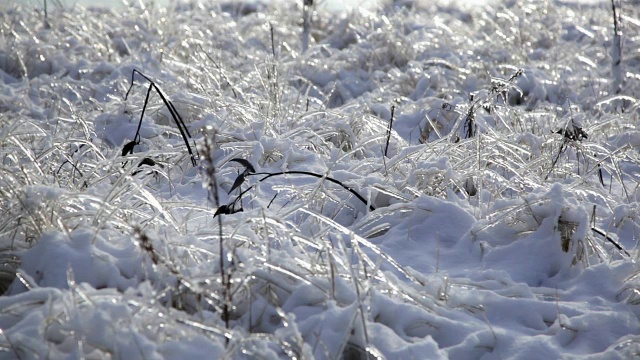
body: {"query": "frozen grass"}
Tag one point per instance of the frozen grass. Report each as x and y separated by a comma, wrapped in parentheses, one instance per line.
(498, 218)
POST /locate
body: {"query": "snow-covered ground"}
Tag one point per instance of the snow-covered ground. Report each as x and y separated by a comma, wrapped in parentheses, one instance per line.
(498, 219)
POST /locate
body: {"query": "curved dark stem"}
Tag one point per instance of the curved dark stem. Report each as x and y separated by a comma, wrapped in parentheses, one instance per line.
(319, 176)
(173, 110)
(133, 73)
(271, 202)
(603, 234)
(69, 161)
(386, 149)
(239, 197)
(179, 123)
(136, 138)
(184, 132)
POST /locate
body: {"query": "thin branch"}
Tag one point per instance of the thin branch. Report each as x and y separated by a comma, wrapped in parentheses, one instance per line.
(386, 149)
(618, 246)
(184, 132)
(320, 176)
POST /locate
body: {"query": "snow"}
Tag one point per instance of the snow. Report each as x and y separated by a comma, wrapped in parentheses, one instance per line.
(502, 223)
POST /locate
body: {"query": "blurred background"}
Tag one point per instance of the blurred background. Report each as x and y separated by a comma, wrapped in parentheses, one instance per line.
(332, 4)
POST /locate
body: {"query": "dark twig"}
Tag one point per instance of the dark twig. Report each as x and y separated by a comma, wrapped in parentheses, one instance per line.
(292, 172)
(208, 147)
(470, 123)
(184, 132)
(603, 234)
(320, 176)
(273, 42)
(249, 170)
(386, 149)
(270, 202)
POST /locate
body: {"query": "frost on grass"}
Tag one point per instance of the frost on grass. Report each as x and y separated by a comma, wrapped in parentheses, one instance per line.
(498, 218)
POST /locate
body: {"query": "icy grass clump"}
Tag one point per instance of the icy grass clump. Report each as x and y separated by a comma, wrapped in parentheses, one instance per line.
(502, 222)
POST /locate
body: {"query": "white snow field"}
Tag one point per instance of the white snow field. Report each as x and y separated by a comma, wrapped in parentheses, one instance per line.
(498, 219)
